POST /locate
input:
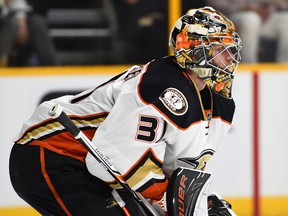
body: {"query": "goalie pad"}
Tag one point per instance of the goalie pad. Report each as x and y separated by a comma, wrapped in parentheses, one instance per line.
(187, 192)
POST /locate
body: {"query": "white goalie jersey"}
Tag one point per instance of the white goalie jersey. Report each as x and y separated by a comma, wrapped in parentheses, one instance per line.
(147, 121)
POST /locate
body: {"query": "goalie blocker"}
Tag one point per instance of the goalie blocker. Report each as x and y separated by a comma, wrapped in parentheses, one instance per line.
(187, 194)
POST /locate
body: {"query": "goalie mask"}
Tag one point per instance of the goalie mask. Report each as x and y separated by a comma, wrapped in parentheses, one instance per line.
(205, 41)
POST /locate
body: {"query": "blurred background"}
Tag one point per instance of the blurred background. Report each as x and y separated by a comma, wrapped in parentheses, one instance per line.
(89, 32)
(49, 48)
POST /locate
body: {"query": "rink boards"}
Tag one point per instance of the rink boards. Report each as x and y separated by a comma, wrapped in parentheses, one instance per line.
(248, 168)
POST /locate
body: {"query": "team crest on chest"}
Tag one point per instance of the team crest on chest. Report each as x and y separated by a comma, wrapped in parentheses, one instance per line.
(174, 100)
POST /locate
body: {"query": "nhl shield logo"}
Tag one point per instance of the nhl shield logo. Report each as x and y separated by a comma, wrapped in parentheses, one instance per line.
(174, 101)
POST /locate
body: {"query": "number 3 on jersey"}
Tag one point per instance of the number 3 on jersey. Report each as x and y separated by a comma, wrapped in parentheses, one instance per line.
(147, 128)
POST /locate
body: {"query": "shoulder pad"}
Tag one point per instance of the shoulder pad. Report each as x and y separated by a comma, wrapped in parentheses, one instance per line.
(166, 88)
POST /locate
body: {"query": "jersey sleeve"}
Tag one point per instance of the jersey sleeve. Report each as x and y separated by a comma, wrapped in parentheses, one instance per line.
(131, 137)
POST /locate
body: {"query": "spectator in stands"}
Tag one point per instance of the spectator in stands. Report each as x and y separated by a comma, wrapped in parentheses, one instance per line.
(258, 19)
(10, 12)
(23, 30)
(142, 27)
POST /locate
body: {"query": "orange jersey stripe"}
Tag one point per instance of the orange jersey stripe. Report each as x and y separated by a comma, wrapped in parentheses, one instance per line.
(161, 188)
(65, 144)
(49, 183)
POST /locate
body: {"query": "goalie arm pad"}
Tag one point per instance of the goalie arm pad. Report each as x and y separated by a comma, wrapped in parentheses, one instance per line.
(187, 192)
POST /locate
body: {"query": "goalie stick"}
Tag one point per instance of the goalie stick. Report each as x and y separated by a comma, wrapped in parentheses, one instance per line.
(58, 114)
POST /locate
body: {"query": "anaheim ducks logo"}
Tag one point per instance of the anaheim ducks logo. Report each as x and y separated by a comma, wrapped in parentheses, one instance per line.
(174, 100)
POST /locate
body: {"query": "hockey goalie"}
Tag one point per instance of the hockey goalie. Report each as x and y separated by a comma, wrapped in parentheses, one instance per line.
(158, 123)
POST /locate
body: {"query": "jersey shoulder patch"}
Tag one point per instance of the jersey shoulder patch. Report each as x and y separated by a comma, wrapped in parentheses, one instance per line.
(174, 101)
(165, 87)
